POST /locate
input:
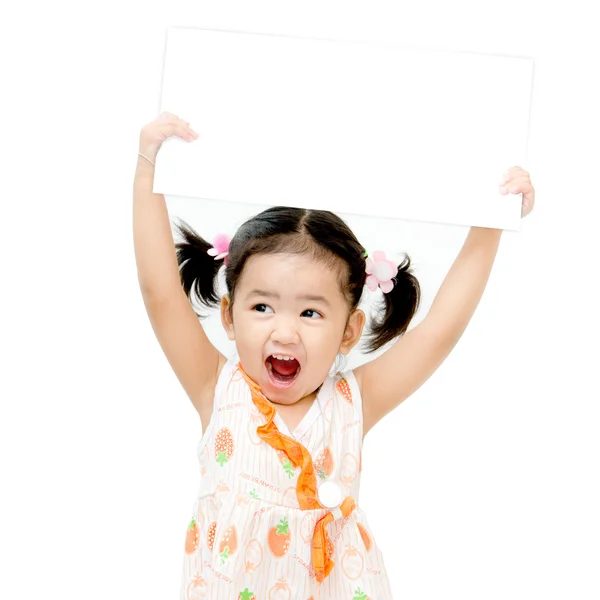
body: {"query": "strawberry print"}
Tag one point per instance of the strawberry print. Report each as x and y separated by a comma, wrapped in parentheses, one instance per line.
(344, 389)
(307, 526)
(324, 463)
(222, 487)
(253, 556)
(223, 446)
(280, 590)
(349, 469)
(211, 535)
(279, 538)
(290, 497)
(352, 563)
(254, 421)
(228, 545)
(192, 537)
(360, 595)
(288, 467)
(197, 587)
(246, 595)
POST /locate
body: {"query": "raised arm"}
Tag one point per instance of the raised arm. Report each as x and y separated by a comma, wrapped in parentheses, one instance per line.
(155, 257)
(193, 358)
(392, 377)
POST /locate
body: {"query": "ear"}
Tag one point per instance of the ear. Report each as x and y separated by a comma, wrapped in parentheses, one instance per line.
(354, 329)
(227, 317)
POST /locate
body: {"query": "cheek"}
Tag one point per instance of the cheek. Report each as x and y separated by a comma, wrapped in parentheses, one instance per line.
(326, 335)
(251, 332)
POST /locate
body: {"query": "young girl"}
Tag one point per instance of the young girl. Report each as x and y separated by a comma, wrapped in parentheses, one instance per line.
(277, 515)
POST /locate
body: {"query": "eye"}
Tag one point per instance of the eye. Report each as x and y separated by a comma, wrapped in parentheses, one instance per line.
(261, 308)
(313, 314)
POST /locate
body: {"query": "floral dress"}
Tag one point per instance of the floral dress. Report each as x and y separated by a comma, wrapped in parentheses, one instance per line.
(258, 530)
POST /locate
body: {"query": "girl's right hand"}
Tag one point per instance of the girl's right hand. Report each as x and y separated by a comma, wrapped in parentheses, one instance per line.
(156, 132)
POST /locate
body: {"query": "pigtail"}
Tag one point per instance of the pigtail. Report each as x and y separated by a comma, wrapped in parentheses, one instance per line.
(197, 269)
(399, 307)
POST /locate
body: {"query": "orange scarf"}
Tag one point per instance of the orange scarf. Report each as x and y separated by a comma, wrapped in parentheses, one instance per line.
(306, 488)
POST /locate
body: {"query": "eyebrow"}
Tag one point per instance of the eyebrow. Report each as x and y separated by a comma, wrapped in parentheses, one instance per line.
(266, 294)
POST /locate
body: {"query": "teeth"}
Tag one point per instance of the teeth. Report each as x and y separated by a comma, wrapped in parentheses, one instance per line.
(281, 357)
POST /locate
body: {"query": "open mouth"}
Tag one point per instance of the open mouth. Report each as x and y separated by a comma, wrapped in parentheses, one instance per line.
(282, 370)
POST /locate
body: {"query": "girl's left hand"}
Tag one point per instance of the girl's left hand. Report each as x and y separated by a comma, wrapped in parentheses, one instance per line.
(516, 181)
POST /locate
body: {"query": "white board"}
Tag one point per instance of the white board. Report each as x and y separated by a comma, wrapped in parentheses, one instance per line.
(362, 128)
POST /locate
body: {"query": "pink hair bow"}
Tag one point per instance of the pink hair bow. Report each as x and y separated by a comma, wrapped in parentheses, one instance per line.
(380, 272)
(220, 247)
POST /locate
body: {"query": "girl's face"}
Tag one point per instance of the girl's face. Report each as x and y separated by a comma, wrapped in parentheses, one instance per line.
(289, 306)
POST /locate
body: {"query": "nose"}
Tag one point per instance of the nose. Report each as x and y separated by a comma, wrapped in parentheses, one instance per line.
(285, 330)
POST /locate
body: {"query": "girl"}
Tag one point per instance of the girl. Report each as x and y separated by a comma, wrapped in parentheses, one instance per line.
(280, 457)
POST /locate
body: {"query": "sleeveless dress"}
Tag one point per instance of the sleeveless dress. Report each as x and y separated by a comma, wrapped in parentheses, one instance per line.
(257, 529)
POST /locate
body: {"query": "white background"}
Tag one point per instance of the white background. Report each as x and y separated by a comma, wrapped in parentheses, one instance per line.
(483, 484)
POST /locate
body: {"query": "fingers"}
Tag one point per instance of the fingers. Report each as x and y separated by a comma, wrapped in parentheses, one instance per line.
(527, 206)
(183, 130)
(515, 181)
(516, 185)
(167, 117)
(513, 172)
(178, 127)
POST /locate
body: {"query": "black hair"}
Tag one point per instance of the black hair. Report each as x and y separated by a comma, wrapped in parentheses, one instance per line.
(320, 233)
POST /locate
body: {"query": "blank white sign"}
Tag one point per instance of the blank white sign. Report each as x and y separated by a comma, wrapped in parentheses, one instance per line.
(353, 127)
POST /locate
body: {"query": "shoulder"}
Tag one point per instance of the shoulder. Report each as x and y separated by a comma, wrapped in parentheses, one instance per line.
(225, 373)
(358, 376)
